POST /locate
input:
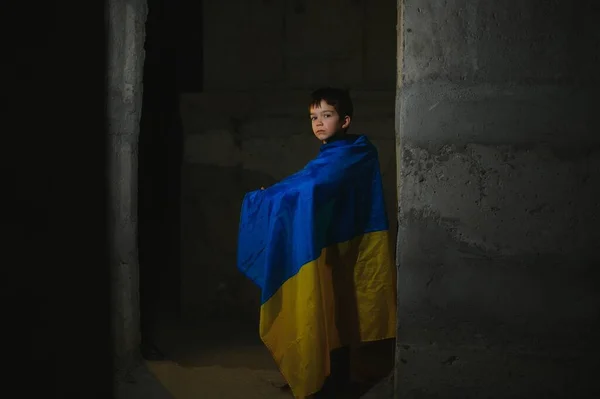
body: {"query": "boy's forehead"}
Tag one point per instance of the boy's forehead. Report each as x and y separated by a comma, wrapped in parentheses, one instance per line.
(322, 106)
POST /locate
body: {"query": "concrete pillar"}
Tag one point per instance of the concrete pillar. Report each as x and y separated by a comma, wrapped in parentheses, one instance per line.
(126, 19)
(499, 154)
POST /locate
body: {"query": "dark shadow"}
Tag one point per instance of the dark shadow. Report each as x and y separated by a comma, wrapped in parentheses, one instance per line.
(159, 177)
(227, 333)
(366, 362)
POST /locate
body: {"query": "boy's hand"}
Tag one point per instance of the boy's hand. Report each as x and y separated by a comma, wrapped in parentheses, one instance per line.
(262, 188)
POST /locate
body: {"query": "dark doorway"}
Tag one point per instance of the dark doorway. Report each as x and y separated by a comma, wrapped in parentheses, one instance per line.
(169, 70)
(215, 77)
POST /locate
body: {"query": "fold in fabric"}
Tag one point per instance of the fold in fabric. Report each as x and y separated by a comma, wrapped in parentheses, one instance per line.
(317, 245)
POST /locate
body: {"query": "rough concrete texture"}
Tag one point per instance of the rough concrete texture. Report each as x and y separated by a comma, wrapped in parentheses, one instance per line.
(126, 56)
(499, 155)
(383, 390)
(250, 128)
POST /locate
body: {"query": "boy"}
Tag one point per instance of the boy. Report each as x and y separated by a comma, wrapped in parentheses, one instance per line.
(316, 244)
(330, 113)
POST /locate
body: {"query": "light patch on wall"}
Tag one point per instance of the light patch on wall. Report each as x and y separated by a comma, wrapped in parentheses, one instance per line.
(125, 181)
(131, 56)
(128, 288)
(500, 198)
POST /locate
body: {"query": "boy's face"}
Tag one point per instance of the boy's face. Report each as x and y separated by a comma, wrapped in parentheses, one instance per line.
(326, 122)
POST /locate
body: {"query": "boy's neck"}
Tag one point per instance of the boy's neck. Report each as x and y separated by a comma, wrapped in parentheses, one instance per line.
(335, 137)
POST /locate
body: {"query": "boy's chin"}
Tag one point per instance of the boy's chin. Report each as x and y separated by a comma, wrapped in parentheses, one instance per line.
(323, 136)
(327, 136)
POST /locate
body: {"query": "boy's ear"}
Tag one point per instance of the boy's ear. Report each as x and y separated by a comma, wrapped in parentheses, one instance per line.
(346, 123)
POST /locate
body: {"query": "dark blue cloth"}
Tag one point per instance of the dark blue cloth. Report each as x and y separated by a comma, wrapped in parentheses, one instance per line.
(336, 197)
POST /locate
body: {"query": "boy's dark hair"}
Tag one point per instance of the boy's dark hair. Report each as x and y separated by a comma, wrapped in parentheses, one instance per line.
(337, 98)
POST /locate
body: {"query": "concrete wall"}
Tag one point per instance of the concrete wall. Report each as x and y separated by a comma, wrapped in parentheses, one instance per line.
(499, 157)
(250, 127)
(126, 57)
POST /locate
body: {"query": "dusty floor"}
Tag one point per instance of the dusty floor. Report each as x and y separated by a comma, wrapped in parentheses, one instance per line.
(230, 362)
(223, 361)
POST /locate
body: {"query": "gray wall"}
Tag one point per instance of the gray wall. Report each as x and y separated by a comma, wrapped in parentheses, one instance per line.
(125, 58)
(250, 125)
(499, 158)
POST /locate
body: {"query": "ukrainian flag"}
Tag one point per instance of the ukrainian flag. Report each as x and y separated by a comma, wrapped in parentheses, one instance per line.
(317, 245)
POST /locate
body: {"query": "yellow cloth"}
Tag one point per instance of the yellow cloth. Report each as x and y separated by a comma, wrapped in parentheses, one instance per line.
(346, 296)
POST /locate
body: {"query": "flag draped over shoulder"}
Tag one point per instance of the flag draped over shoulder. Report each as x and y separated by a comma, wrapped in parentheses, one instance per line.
(317, 245)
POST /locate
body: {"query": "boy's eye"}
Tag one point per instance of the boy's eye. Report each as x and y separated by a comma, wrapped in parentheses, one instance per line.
(326, 115)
